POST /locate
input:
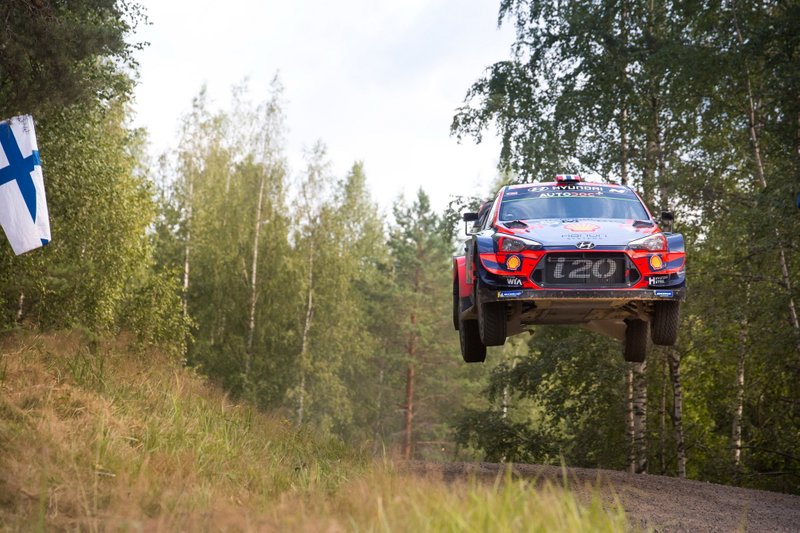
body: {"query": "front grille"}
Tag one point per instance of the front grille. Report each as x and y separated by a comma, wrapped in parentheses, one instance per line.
(585, 270)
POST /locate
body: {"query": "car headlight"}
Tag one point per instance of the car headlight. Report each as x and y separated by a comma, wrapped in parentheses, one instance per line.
(505, 243)
(652, 243)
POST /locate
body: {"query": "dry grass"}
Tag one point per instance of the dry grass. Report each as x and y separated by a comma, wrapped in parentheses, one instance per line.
(95, 437)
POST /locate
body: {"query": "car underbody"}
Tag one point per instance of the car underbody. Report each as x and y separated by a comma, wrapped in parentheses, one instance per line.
(603, 313)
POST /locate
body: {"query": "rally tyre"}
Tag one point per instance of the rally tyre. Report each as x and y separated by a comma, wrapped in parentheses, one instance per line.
(635, 341)
(472, 349)
(666, 318)
(492, 323)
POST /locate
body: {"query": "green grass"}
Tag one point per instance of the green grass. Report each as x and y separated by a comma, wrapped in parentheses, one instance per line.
(97, 437)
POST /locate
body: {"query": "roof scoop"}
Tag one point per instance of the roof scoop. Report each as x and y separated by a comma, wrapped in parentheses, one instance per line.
(567, 179)
(516, 224)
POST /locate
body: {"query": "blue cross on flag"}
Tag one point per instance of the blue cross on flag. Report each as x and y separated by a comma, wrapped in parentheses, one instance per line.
(23, 208)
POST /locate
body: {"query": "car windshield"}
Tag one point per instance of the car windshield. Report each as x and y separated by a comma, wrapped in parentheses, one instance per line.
(571, 201)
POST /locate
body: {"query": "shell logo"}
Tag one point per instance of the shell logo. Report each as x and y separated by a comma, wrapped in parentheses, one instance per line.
(582, 226)
(513, 262)
(656, 263)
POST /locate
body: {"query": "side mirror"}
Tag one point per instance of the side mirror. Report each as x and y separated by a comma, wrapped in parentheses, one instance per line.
(470, 217)
(667, 219)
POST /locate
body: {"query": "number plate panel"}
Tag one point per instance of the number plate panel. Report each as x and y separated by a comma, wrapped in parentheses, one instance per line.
(585, 269)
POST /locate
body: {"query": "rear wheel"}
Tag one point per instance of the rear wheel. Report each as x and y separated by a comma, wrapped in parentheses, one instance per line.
(492, 323)
(472, 349)
(666, 318)
(635, 341)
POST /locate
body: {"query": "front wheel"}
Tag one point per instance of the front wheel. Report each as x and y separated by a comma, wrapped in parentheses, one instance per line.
(492, 323)
(666, 318)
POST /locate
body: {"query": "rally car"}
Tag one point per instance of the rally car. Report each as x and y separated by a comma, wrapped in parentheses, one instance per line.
(568, 252)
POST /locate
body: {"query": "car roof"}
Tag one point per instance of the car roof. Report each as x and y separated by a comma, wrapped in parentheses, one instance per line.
(549, 183)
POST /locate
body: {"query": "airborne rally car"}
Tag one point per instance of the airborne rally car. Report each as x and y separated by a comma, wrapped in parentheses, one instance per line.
(568, 252)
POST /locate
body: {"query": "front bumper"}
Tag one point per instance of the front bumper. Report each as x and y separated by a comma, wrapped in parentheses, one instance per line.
(583, 295)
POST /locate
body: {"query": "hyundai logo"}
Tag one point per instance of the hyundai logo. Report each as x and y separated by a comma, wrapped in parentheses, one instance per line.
(585, 245)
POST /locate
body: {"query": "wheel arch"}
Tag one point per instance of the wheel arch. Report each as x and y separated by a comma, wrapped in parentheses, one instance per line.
(460, 276)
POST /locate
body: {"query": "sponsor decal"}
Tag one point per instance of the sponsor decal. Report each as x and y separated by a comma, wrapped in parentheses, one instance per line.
(598, 236)
(511, 193)
(565, 188)
(517, 282)
(664, 294)
(509, 294)
(513, 262)
(656, 263)
(618, 191)
(658, 280)
(585, 245)
(581, 226)
(567, 194)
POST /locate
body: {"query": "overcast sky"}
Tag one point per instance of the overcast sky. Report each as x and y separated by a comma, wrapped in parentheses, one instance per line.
(376, 81)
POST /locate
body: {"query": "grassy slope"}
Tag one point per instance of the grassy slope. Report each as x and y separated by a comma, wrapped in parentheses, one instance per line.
(93, 436)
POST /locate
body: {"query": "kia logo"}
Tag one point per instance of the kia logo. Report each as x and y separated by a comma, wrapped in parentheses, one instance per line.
(585, 245)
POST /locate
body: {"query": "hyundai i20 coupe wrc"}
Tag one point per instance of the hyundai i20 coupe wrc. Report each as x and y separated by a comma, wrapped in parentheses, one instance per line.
(568, 252)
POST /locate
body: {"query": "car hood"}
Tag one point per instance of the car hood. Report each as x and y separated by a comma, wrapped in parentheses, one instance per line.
(601, 232)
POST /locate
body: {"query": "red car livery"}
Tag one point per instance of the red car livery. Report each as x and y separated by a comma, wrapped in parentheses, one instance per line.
(568, 252)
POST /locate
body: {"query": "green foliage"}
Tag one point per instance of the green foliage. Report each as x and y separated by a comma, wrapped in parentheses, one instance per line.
(558, 397)
(421, 245)
(624, 90)
(328, 344)
(70, 65)
(151, 311)
(58, 54)
(501, 439)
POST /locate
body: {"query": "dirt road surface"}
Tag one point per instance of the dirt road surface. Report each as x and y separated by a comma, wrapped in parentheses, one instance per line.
(655, 502)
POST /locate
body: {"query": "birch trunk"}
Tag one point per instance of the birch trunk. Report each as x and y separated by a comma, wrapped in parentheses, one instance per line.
(640, 416)
(20, 306)
(187, 248)
(623, 133)
(663, 193)
(378, 430)
(301, 394)
(662, 430)
(629, 420)
(677, 409)
(762, 179)
(623, 122)
(251, 327)
(738, 411)
(630, 430)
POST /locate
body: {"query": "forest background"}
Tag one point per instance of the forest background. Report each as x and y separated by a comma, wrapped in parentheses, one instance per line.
(293, 293)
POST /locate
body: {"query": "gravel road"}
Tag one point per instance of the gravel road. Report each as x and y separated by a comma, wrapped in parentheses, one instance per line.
(656, 502)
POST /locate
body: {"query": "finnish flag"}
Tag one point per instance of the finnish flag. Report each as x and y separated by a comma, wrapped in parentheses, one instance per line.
(23, 208)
